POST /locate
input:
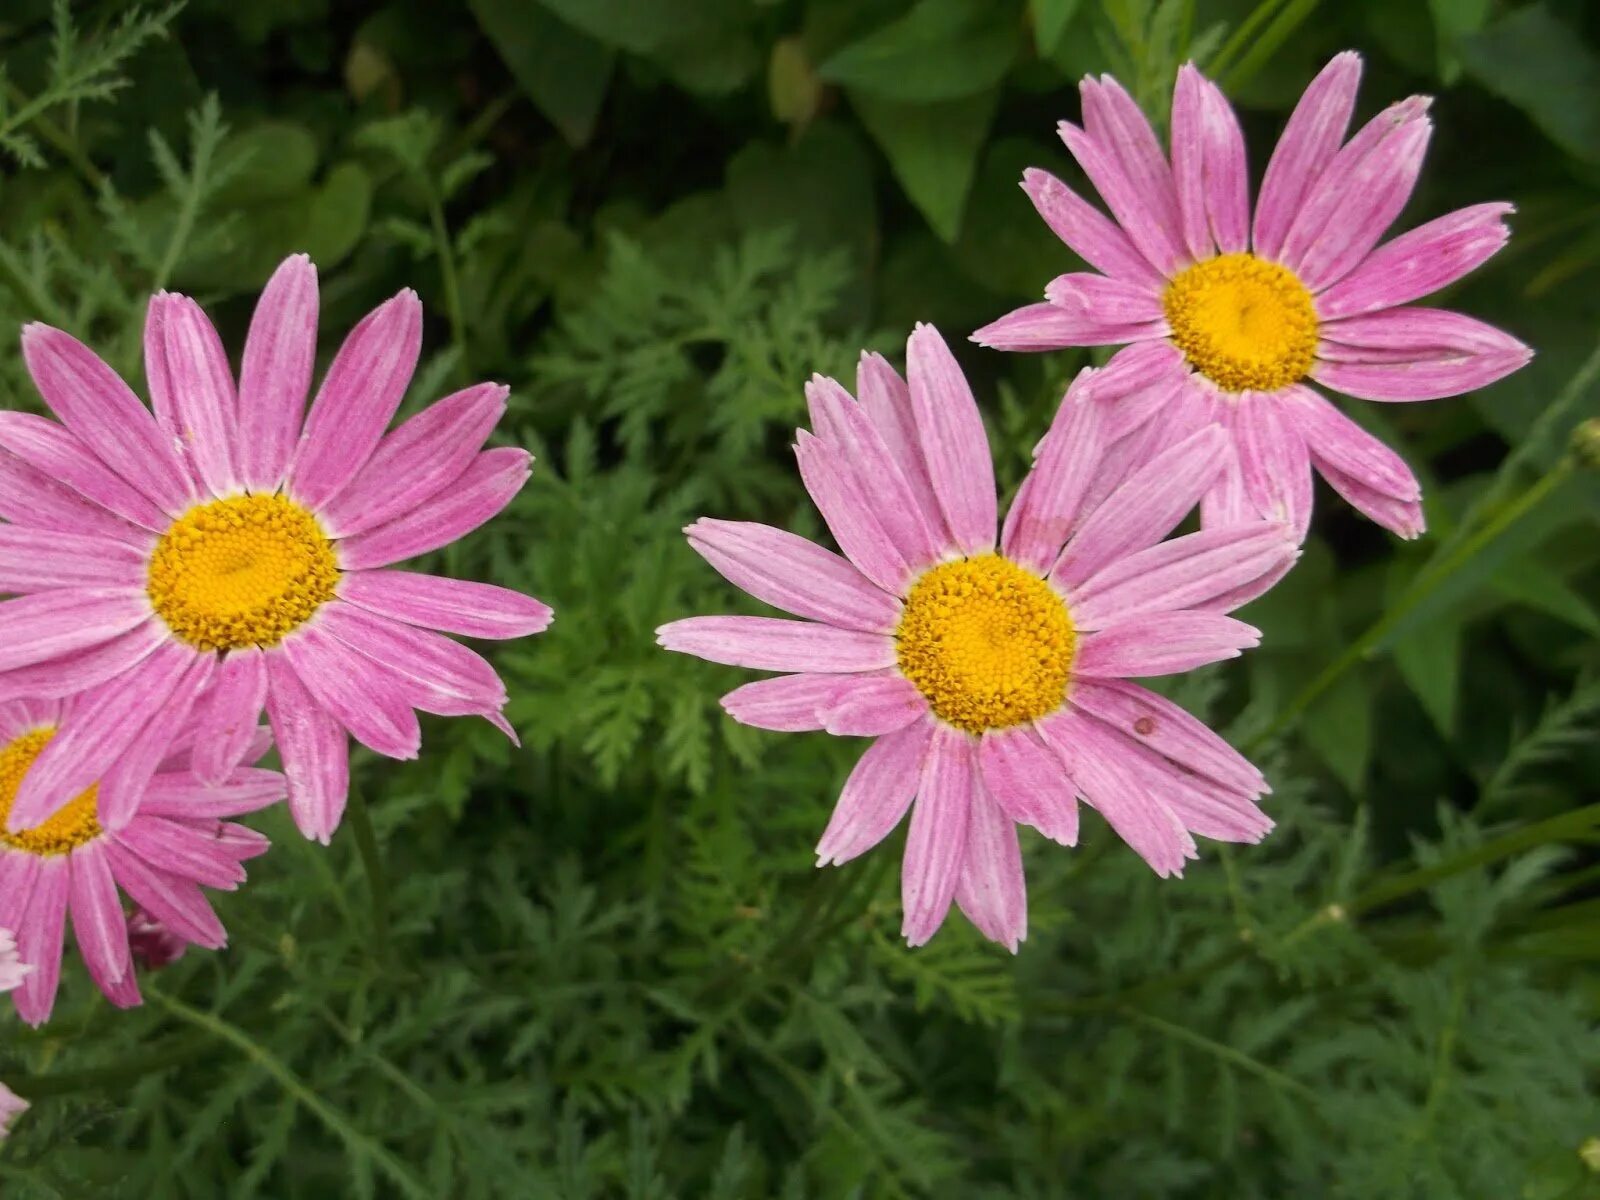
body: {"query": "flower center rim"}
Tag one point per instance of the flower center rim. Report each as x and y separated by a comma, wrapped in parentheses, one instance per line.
(987, 642)
(241, 571)
(1245, 323)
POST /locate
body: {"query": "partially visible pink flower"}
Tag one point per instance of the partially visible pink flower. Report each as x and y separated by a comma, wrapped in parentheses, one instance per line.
(12, 1106)
(153, 945)
(12, 969)
(1229, 320)
(993, 676)
(231, 551)
(78, 863)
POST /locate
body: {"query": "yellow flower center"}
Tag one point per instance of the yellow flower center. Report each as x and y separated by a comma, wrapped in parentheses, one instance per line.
(1242, 322)
(243, 571)
(989, 643)
(73, 826)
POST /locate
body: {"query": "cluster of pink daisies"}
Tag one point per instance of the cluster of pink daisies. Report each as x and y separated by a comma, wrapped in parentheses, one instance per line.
(178, 571)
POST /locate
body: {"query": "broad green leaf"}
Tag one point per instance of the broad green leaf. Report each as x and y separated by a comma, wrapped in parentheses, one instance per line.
(1050, 21)
(1453, 20)
(564, 72)
(269, 161)
(940, 50)
(932, 148)
(1542, 65)
(1537, 586)
(1339, 729)
(337, 215)
(1429, 659)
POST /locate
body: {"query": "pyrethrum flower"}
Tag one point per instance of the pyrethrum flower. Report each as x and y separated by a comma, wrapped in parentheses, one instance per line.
(75, 862)
(1230, 320)
(230, 551)
(994, 677)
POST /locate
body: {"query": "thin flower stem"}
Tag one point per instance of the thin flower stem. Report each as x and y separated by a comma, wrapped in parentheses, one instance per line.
(377, 876)
(447, 273)
(1241, 37)
(1226, 1053)
(357, 1142)
(1425, 583)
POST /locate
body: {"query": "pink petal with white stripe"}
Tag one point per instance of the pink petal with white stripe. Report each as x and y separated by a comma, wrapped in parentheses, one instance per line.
(81, 670)
(275, 377)
(358, 698)
(39, 936)
(1051, 327)
(1096, 299)
(772, 644)
(1403, 518)
(358, 398)
(1188, 161)
(316, 756)
(94, 403)
(1308, 144)
(1028, 781)
(1050, 500)
(785, 703)
(936, 846)
(991, 889)
(486, 487)
(1162, 644)
(872, 705)
(1419, 353)
(417, 461)
(225, 720)
(60, 454)
(1113, 122)
(30, 497)
(876, 795)
(1087, 231)
(123, 784)
(46, 625)
(426, 669)
(1420, 261)
(35, 560)
(459, 606)
(1274, 465)
(954, 442)
(886, 398)
(1336, 441)
(854, 525)
(204, 402)
(98, 923)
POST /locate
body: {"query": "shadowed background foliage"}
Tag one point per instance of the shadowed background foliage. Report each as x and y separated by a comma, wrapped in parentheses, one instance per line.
(603, 965)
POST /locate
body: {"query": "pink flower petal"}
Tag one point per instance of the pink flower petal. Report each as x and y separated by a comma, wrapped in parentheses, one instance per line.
(98, 923)
(57, 452)
(316, 756)
(1274, 465)
(1197, 804)
(1028, 781)
(954, 442)
(1401, 517)
(1162, 644)
(1113, 122)
(876, 795)
(163, 392)
(1335, 440)
(177, 903)
(1050, 327)
(772, 644)
(94, 403)
(246, 790)
(46, 625)
(1169, 730)
(784, 703)
(1188, 161)
(487, 486)
(1099, 300)
(1227, 174)
(430, 671)
(872, 705)
(1145, 508)
(357, 400)
(1050, 500)
(1360, 194)
(794, 574)
(30, 497)
(225, 721)
(887, 401)
(991, 888)
(203, 398)
(853, 523)
(358, 697)
(459, 606)
(421, 458)
(122, 785)
(1309, 142)
(1181, 573)
(183, 850)
(862, 451)
(81, 670)
(275, 377)
(1086, 230)
(1420, 261)
(1422, 354)
(1137, 384)
(1111, 786)
(936, 847)
(36, 560)
(40, 936)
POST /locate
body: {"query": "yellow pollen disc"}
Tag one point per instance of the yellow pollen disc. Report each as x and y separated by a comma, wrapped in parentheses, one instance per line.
(74, 826)
(243, 571)
(989, 643)
(1242, 322)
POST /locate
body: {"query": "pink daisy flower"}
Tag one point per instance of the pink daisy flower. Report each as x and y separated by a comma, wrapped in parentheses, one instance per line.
(222, 554)
(12, 1106)
(77, 860)
(994, 678)
(1229, 321)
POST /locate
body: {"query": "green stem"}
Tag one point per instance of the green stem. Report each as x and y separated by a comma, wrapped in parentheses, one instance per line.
(129, 1069)
(377, 876)
(1241, 36)
(1425, 583)
(447, 272)
(355, 1141)
(1226, 1053)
